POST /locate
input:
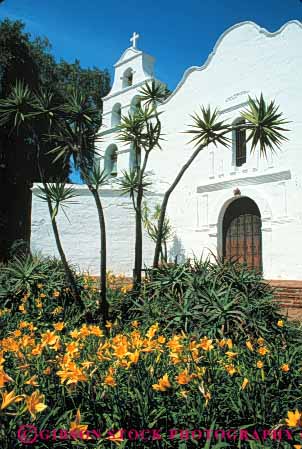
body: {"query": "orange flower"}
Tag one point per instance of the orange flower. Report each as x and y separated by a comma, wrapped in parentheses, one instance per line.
(249, 346)
(293, 419)
(231, 355)
(4, 378)
(260, 341)
(263, 350)
(244, 383)
(9, 399)
(183, 378)
(49, 338)
(72, 374)
(135, 323)
(230, 369)
(109, 379)
(163, 384)
(134, 356)
(32, 381)
(152, 330)
(59, 326)
(259, 364)
(206, 344)
(35, 403)
(77, 426)
(280, 323)
(161, 339)
(284, 367)
(117, 437)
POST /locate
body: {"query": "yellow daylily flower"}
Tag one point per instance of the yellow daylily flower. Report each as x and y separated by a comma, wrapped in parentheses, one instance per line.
(231, 355)
(4, 378)
(249, 346)
(163, 384)
(183, 378)
(117, 437)
(77, 426)
(206, 344)
(280, 323)
(207, 397)
(284, 367)
(230, 369)
(293, 419)
(244, 383)
(152, 330)
(59, 326)
(263, 350)
(9, 399)
(32, 381)
(35, 403)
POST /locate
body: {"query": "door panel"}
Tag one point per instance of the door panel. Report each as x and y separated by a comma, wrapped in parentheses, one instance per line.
(242, 233)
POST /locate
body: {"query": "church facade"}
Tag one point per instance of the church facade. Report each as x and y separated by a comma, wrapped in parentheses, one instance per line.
(230, 202)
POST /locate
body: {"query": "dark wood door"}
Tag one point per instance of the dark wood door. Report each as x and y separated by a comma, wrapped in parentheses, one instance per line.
(242, 233)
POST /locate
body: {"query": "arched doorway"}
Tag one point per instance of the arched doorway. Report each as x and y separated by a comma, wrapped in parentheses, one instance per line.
(242, 238)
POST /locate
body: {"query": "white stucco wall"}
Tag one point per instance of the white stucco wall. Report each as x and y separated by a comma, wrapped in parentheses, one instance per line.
(80, 235)
(246, 61)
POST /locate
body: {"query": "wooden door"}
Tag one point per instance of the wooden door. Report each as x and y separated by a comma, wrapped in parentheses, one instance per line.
(242, 233)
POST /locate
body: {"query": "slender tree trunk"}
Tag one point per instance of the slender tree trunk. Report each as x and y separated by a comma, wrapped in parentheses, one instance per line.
(163, 209)
(138, 241)
(104, 308)
(165, 251)
(68, 273)
(69, 276)
(137, 275)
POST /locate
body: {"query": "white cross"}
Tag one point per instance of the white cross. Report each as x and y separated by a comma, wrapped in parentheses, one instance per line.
(133, 39)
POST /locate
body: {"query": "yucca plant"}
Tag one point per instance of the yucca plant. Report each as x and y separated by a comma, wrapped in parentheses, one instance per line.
(150, 223)
(141, 130)
(30, 109)
(77, 137)
(262, 120)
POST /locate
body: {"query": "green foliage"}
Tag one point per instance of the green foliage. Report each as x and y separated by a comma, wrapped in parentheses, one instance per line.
(153, 93)
(96, 176)
(150, 222)
(216, 299)
(208, 129)
(264, 123)
(141, 129)
(58, 194)
(214, 383)
(129, 183)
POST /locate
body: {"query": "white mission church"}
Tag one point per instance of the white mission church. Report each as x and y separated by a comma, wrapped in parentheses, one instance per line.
(229, 202)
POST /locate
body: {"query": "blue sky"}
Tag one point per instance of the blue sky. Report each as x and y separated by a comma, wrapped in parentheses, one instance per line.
(178, 33)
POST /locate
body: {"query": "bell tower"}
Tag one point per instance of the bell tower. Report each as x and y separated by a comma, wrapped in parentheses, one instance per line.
(132, 70)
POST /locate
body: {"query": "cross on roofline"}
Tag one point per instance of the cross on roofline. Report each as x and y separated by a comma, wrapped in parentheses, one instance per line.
(134, 38)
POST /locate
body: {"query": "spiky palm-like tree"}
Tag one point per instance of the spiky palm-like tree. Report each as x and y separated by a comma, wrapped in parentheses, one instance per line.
(24, 108)
(142, 130)
(77, 137)
(264, 124)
